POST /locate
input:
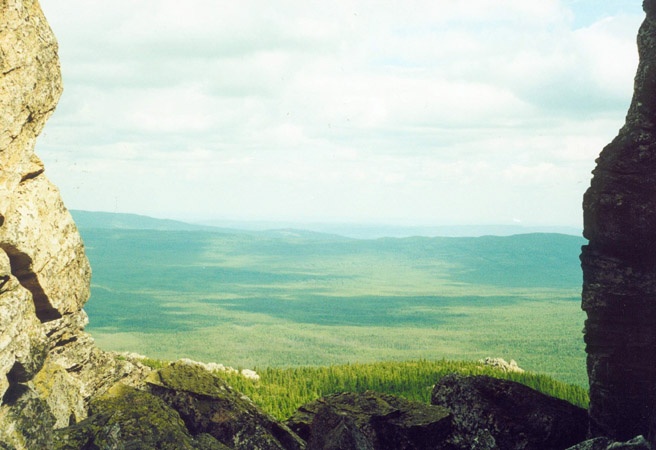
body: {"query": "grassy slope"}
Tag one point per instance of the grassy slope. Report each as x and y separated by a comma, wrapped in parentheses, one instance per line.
(260, 300)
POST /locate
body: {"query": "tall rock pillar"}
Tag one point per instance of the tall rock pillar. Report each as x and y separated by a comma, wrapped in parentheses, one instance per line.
(619, 263)
(49, 367)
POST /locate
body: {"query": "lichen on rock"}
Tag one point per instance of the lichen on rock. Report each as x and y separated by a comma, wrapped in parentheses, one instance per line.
(126, 417)
(208, 405)
(46, 358)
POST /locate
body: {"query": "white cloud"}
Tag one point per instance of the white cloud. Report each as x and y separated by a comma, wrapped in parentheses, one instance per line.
(608, 53)
(442, 110)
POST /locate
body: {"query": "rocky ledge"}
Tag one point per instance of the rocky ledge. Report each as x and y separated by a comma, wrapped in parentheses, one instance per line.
(184, 406)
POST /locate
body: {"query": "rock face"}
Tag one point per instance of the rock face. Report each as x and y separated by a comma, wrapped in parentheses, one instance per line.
(182, 406)
(602, 443)
(208, 405)
(47, 363)
(128, 418)
(619, 263)
(490, 414)
(371, 420)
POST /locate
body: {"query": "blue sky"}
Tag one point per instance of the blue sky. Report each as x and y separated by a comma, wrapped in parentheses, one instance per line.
(587, 12)
(425, 112)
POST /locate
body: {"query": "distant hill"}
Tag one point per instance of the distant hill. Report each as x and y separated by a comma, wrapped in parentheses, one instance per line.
(88, 220)
(106, 220)
(374, 231)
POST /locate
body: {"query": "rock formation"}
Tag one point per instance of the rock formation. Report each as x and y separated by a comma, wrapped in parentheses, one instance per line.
(371, 421)
(602, 443)
(48, 366)
(493, 414)
(182, 406)
(502, 364)
(619, 263)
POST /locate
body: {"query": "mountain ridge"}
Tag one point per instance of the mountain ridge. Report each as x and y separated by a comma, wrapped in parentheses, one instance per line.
(103, 219)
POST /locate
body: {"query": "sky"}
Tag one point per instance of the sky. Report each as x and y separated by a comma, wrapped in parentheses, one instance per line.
(424, 112)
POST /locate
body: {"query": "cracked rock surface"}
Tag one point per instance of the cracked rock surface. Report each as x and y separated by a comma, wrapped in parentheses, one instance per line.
(49, 367)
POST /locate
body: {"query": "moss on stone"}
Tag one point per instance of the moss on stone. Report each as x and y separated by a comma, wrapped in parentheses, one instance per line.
(207, 404)
(25, 420)
(133, 418)
(189, 378)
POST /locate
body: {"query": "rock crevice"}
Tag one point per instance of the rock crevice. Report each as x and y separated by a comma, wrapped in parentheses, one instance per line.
(21, 268)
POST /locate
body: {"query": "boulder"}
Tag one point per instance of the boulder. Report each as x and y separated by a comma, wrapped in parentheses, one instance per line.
(501, 364)
(31, 422)
(126, 417)
(207, 404)
(489, 413)
(182, 406)
(370, 421)
(602, 443)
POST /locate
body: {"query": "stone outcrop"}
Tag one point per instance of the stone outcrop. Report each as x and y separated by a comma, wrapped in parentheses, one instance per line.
(489, 414)
(181, 406)
(125, 417)
(619, 263)
(185, 406)
(502, 364)
(466, 412)
(602, 443)
(49, 367)
(209, 406)
(371, 421)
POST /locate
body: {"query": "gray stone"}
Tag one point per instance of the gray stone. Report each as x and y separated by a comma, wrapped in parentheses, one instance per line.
(602, 443)
(30, 420)
(619, 263)
(371, 420)
(44, 273)
(489, 413)
(126, 418)
(208, 405)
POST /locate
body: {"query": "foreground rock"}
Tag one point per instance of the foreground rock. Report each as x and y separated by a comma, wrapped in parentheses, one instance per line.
(619, 264)
(208, 405)
(350, 421)
(498, 414)
(128, 418)
(602, 443)
(49, 368)
(182, 406)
